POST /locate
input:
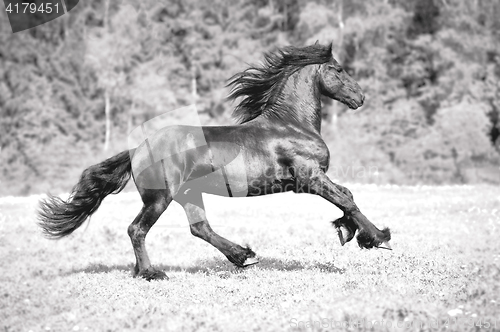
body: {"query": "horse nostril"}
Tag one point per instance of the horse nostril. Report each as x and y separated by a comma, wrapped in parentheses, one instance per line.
(362, 99)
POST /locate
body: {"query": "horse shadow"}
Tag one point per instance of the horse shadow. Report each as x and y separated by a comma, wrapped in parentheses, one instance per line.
(217, 266)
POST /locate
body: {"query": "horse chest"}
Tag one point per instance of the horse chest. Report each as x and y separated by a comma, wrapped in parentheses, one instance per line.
(304, 154)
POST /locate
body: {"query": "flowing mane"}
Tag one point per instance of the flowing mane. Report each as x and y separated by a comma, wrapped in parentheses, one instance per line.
(261, 86)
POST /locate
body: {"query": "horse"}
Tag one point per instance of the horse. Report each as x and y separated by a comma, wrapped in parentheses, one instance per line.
(276, 146)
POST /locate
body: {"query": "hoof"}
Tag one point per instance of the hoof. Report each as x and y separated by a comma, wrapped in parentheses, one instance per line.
(250, 261)
(368, 241)
(343, 233)
(345, 229)
(384, 245)
(242, 257)
(365, 241)
(152, 274)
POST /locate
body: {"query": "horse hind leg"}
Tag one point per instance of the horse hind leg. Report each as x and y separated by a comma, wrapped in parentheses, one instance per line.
(236, 254)
(155, 203)
(198, 223)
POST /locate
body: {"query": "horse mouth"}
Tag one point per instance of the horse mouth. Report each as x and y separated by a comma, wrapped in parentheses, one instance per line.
(353, 104)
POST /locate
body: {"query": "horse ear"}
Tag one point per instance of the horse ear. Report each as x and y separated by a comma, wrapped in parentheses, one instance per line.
(331, 50)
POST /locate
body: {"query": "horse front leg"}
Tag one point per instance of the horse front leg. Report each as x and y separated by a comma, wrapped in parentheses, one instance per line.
(369, 236)
(346, 227)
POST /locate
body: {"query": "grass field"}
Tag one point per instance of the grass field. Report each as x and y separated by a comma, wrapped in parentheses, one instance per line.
(443, 274)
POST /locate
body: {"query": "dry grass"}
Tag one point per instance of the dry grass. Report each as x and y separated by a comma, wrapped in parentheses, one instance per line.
(444, 269)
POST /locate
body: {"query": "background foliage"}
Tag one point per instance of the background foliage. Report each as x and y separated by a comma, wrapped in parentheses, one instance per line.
(430, 70)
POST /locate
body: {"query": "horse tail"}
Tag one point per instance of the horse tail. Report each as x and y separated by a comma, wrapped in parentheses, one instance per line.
(59, 218)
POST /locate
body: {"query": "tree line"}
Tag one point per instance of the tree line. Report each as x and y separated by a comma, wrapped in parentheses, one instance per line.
(72, 89)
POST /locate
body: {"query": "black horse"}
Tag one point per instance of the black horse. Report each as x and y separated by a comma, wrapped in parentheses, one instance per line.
(276, 147)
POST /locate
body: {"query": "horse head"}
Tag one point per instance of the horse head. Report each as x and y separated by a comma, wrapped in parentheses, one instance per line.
(336, 83)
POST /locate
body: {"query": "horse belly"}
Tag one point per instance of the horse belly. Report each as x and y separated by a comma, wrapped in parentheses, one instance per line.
(222, 174)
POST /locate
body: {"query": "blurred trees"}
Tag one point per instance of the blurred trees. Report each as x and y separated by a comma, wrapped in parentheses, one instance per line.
(430, 70)
(47, 106)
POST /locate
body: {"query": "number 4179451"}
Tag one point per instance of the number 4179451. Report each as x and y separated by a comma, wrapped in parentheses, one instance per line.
(32, 8)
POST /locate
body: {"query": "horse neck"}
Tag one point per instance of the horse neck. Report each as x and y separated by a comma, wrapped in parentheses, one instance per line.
(300, 98)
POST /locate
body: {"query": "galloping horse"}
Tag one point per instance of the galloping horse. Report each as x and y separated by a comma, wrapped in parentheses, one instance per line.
(276, 147)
